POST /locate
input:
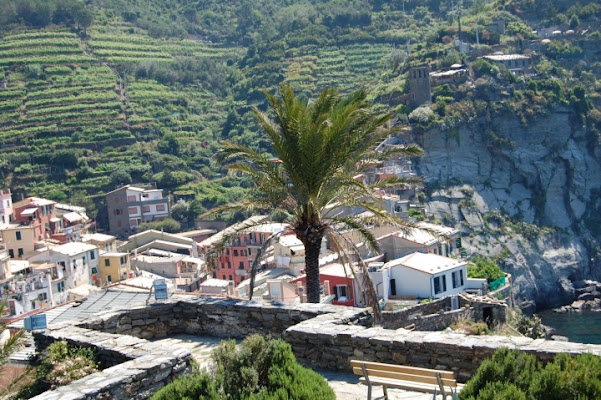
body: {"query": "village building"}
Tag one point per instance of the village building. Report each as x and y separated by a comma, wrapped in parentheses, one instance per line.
(79, 262)
(104, 242)
(425, 237)
(186, 272)
(34, 220)
(114, 267)
(423, 276)
(337, 282)
(129, 206)
(516, 63)
(158, 240)
(6, 208)
(234, 262)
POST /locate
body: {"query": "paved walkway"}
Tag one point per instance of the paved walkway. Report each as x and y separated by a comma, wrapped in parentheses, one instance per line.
(345, 385)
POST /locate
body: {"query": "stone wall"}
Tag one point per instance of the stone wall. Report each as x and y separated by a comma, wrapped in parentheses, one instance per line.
(323, 337)
(133, 368)
(323, 343)
(437, 315)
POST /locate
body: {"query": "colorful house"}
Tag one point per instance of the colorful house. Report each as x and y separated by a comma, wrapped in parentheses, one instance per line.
(337, 281)
(114, 267)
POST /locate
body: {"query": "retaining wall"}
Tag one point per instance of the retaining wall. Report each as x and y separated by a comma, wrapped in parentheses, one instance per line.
(322, 337)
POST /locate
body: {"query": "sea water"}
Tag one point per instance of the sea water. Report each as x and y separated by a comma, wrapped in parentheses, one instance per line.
(581, 327)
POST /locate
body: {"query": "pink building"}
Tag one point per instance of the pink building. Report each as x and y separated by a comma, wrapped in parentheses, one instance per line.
(235, 261)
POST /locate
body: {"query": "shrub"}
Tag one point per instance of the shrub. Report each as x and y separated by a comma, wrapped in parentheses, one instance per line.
(512, 375)
(257, 369)
(189, 387)
(484, 268)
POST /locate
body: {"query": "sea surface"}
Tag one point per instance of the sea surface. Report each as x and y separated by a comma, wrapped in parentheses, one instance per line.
(582, 327)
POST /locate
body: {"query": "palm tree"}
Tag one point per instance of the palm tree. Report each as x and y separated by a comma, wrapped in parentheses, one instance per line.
(12, 343)
(319, 149)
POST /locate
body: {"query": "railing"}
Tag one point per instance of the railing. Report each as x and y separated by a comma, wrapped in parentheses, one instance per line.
(494, 285)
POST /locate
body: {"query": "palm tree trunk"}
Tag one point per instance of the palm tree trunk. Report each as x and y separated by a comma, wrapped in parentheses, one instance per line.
(312, 248)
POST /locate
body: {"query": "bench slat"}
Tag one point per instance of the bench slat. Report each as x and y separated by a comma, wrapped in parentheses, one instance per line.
(403, 385)
(402, 369)
(404, 377)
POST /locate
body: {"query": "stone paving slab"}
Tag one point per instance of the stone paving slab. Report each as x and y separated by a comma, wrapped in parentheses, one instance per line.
(345, 385)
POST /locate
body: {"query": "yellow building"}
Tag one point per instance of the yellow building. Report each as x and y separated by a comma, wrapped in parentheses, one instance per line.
(114, 267)
(19, 239)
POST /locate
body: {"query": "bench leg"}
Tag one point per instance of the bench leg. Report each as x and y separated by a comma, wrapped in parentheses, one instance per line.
(368, 391)
(385, 392)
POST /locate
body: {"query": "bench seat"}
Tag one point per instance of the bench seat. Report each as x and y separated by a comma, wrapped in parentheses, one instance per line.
(404, 377)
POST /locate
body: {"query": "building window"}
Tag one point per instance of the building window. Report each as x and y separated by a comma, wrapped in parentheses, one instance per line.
(18, 235)
(117, 211)
(131, 198)
(229, 265)
(241, 266)
(84, 260)
(146, 209)
(119, 224)
(94, 270)
(123, 260)
(92, 255)
(236, 253)
(457, 279)
(108, 278)
(60, 287)
(133, 222)
(132, 210)
(107, 262)
(223, 276)
(20, 251)
(249, 251)
(231, 278)
(440, 284)
(160, 207)
(11, 253)
(340, 292)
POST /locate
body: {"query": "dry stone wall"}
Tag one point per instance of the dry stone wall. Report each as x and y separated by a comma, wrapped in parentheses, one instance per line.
(322, 337)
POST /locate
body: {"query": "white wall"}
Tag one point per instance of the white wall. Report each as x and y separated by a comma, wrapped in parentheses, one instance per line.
(410, 282)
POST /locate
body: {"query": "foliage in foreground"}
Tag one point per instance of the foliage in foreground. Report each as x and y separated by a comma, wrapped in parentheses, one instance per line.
(61, 365)
(11, 344)
(512, 375)
(257, 369)
(484, 268)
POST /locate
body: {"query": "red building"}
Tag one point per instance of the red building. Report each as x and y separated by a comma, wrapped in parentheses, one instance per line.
(235, 261)
(337, 281)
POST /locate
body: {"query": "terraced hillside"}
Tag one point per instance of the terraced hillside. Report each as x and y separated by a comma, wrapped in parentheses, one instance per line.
(75, 117)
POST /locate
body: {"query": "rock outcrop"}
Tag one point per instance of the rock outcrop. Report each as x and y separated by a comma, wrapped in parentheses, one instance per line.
(529, 189)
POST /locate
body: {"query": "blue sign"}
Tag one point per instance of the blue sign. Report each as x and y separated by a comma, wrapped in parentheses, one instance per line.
(160, 289)
(35, 322)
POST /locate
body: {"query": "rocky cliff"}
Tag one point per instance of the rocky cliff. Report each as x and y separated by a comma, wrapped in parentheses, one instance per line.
(527, 193)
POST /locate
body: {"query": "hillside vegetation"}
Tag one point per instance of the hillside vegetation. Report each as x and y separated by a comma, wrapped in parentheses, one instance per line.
(107, 92)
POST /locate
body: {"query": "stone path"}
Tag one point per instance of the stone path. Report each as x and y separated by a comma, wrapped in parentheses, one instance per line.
(345, 384)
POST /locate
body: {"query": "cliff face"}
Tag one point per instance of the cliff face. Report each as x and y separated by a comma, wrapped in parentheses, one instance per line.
(498, 180)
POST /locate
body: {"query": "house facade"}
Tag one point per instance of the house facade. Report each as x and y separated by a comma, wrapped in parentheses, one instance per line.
(6, 208)
(426, 276)
(425, 238)
(79, 261)
(129, 206)
(114, 267)
(337, 281)
(234, 263)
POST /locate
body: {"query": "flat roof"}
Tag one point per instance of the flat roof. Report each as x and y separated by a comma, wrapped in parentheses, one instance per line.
(430, 264)
(74, 248)
(113, 254)
(98, 237)
(505, 57)
(215, 283)
(28, 211)
(252, 224)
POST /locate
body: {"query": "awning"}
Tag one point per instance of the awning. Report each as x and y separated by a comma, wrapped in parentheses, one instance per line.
(72, 217)
(29, 211)
(17, 266)
(54, 219)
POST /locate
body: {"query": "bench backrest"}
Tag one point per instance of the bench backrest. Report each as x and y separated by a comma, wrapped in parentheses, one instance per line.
(401, 372)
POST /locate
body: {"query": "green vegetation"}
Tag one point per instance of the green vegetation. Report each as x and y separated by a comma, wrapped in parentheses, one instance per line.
(129, 76)
(511, 374)
(484, 268)
(60, 365)
(255, 369)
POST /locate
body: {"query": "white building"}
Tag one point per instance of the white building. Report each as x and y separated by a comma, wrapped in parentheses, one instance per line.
(79, 261)
(6, 208)
(426, 275)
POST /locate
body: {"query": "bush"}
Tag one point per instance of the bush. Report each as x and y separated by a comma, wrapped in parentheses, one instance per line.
(512, 375)
(257, 369)
(484, 268)
(189, 387)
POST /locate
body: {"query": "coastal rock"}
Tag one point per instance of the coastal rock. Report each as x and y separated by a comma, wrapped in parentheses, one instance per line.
(546, 174)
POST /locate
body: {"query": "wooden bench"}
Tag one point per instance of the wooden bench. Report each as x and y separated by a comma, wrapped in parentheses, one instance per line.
(410, 378)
